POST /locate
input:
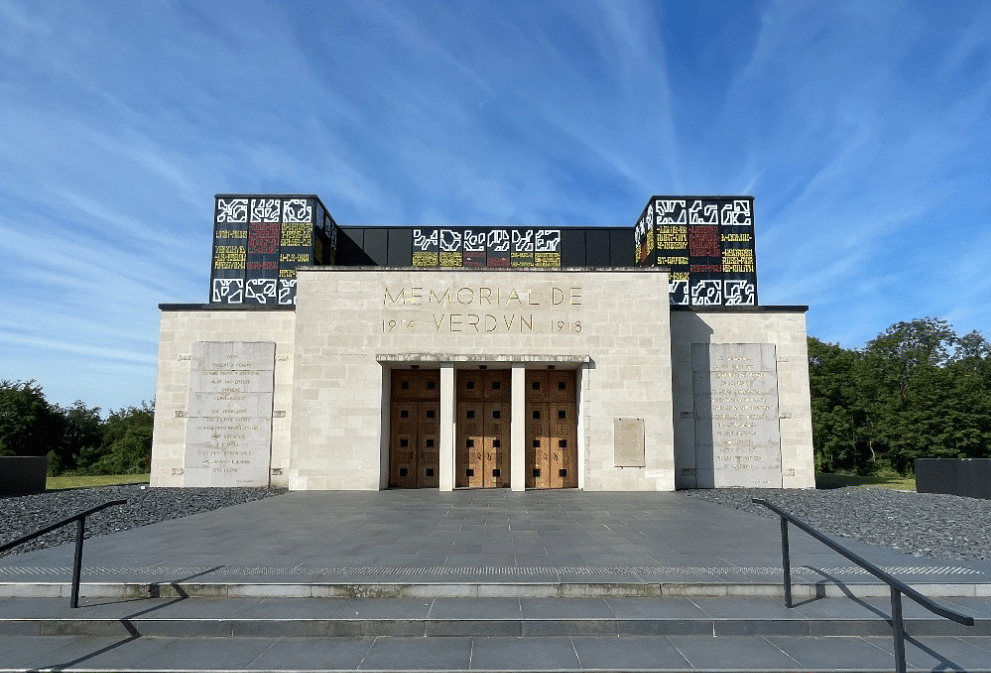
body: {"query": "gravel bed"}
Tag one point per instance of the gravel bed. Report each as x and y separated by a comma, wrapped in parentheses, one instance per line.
(25, 514)
(927, 525)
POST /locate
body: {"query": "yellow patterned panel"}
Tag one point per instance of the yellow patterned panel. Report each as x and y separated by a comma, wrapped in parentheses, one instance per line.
(671, 238)
(452, 259)
(425, 259)
(296, 235)
(738, 261)
(228, 257)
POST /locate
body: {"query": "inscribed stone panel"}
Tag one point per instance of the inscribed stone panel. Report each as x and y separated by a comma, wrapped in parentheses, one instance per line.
(736, 413)
(628, 434)
(229, 417)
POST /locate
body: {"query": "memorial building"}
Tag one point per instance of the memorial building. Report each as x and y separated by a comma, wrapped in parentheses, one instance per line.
(598, 358)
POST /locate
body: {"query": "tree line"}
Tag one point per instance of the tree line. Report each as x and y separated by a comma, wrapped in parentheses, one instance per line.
(917, 390)
(76, 439)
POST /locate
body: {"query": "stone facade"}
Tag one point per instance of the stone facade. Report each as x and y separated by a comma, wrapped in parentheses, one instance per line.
(182, 328)
(784, 327)
(638, 416)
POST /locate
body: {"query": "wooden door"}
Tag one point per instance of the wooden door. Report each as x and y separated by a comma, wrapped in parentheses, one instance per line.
(482, 437)
(552, 429)
(414, 458)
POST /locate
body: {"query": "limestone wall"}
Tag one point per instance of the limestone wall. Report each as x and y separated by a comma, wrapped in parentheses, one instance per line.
(180, 329)
(785, 329)
(353, 324)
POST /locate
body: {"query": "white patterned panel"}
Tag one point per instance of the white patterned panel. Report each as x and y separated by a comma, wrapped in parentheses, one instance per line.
(297, 210)
(287, 291)
(737, 213)
(474, 241)
(522, 240)
(450, 240)
(499, 240)
(678, 292)
(260, 290)
(707, 293)
(232, 210)
(425, 239)
(670, 212)
(699, 213)
(738, 292)
(227, 291)
(265, 210)
(548, 240)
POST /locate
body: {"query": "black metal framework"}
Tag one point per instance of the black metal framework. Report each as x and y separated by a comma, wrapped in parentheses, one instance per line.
(77, 559)
(705, 242)
(898, 588)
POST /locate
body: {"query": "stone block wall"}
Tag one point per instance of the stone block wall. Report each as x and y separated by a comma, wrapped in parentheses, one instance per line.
(180, 328)
(353, 324)
(785, 328)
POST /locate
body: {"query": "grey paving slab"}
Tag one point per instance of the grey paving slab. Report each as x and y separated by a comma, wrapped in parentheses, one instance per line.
(103, 653)
(437, 654)
(393, 608)
(571, 608)
(26, 652)
(476, 608)
(736, 652)
(523, 654)
(665, 608)
(203, 653)
(313, 654)
(944, 654)
(627, 653)
(849, 653)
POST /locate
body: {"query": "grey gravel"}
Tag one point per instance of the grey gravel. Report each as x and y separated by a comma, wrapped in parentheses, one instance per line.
(25, 514)
(926, 525)
(921, 524)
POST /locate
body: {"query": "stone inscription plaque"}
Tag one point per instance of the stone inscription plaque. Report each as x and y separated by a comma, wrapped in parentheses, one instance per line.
(229, 414)
(628, 434)
(737, 436)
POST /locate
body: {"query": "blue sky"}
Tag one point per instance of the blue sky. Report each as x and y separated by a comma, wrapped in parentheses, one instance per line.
(862, 129)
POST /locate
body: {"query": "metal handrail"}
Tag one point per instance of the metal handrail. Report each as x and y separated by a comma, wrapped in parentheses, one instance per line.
(77, 560)
(897, 586)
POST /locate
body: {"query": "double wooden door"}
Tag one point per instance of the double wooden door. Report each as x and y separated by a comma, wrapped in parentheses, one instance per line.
(552, 429)
(482, 437)
(414, 442)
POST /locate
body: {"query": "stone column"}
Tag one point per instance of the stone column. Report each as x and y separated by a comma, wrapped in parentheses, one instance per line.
(448, 411)
(517, 429)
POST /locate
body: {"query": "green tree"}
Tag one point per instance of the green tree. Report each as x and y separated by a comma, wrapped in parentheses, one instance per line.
(916, 390)
(126, 445)
(82, 433)
(29, 426)
(836, 418)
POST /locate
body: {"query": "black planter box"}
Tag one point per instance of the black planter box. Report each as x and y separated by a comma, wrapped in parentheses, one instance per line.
(970, 477)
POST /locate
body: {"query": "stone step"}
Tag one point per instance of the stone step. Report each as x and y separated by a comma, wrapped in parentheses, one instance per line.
(591, 654)
(451, 617)
(227, 589)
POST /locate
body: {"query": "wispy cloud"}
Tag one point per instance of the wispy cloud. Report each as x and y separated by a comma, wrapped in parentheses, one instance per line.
(860, 128)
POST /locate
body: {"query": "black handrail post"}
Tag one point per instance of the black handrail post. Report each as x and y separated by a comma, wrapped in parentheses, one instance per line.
(786, 561)
(77, 561)
(899, 628)
(897, 586)
(80, 520)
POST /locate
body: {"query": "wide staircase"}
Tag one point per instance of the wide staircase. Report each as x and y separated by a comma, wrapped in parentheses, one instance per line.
(478, 618)
(484, 627)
